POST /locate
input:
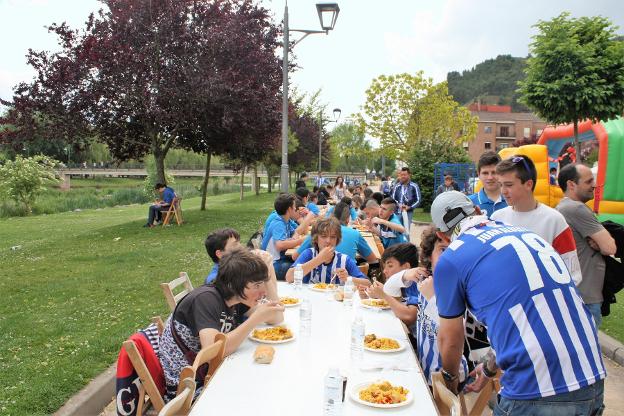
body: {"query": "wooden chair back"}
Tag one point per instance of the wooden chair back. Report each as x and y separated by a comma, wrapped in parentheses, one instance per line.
(148, 386)
(160, 325)
(181, 404)
(174, 211)
(445, 400)
(484, 395)
(364, 268)
(183, 282)
(213, 355)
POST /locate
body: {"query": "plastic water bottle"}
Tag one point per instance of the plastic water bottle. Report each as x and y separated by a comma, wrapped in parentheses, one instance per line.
(357, 339)
(305, 316)
(298, 282)
(332, 396)
(349, 288)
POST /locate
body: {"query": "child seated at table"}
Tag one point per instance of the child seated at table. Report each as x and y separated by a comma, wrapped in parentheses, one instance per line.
(322, 263)
(228, 305)
(217, 244)
(387, 224)
(422, 297)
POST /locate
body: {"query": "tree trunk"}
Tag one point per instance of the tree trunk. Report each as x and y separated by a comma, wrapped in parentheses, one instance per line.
(159, 159)
(256, 180)
(242, 183)
(204, 188)
(269, 182)
(577, 145)
(289, 179)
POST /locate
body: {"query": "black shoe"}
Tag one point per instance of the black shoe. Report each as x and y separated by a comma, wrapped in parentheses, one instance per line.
(148, 226)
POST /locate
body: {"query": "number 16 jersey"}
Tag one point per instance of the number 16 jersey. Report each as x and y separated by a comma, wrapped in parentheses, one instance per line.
(519, 287)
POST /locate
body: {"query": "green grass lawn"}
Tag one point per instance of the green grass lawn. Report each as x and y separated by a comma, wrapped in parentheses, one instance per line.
(82, 282)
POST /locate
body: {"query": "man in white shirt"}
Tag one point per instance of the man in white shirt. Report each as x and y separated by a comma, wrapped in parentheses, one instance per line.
(518, 177)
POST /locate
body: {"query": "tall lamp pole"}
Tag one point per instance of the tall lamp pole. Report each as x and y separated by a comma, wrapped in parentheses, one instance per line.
(328, 13)
(337, 112)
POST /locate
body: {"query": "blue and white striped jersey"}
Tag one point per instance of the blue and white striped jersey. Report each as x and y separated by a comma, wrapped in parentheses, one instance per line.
(517, 285)
(324, 272)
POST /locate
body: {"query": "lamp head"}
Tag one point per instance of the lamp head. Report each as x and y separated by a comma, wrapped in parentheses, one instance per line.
(328, 13)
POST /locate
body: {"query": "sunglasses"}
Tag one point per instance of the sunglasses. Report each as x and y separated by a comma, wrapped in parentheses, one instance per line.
(524, 162)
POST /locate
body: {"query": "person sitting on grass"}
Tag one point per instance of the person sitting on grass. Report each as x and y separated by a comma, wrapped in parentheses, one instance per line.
(166, 194)
(387, 225)
(322, 263)
(421, 298)
(281, 234)
(228, 305)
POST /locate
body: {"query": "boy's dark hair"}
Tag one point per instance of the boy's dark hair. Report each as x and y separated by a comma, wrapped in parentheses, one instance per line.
(283, 202)
(520, 164)
(324, 226)
(303, 175)
(377, 196)
(315, 188)
(568, 173)
(238, 268)
(389, 201)
(427, 243)
(356, 201)
(347, 200)
(342, 212)
(351, 189)
(368, 192)
(403, 253)
(487, 159)
(406, 169)
(302, 192)
(329, 187)
(312, 196)
(160, 185)
(217, 240)
(299, 203)
(553, 170)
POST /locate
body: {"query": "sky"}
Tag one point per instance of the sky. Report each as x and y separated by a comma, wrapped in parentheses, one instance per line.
(371, 38)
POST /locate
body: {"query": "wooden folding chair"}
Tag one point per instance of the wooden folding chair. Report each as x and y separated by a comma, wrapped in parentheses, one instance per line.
(174, 211)
(168, 289)
(445, 400)
(482, 398)
(160, 325)
(181, 405)
(363, 268)
(148, 392)
(213, 355)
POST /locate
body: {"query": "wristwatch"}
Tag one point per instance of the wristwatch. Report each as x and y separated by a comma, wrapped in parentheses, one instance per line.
(448, 377)
(487, 372)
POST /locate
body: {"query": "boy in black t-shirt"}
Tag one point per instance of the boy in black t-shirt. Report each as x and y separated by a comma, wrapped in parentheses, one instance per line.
(218, 307)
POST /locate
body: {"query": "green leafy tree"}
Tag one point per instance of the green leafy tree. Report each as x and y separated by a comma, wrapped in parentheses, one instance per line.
(575, 72)
(349, 148)
(403, 110)
(23, 179)
(422, 160)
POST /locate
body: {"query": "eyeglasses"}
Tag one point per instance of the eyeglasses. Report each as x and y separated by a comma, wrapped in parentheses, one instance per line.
(524, 162)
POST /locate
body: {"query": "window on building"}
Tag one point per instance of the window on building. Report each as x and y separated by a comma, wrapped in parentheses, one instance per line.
(538, 133)
(488, 145)
(502, 146)
(527, 132)
(465, 144)
(504, 131)
(487, 129)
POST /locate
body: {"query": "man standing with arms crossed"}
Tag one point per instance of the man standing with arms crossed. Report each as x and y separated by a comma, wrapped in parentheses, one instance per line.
(407, 197)
(545, 340)
(592, 240)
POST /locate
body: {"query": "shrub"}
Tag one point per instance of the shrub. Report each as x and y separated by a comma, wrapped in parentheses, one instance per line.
(23, 179)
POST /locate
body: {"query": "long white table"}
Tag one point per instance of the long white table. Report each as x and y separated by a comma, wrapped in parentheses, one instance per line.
(293, 383)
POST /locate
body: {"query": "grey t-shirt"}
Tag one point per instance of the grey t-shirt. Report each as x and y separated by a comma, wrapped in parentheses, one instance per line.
(584, 223)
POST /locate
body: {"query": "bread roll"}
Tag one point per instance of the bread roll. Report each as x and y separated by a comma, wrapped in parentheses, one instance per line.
(264, 354)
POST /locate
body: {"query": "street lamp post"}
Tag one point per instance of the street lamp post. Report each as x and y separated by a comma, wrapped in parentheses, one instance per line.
(336, 112)
(328, 13)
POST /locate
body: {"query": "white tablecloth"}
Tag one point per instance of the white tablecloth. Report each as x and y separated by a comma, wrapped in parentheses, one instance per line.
(293, 383)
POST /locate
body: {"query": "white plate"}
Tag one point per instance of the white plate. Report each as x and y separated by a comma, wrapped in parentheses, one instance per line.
(364, 304)
(264, 341)
(401, 347)
(311, 287)
(355, 396)
(291, 305)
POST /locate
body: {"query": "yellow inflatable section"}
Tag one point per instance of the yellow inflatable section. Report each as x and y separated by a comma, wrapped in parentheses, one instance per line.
(544, 192)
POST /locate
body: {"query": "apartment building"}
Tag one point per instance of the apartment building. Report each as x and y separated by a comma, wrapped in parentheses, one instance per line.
(498, 128)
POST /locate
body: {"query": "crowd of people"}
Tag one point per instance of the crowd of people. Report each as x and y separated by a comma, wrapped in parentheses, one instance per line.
(500, 281)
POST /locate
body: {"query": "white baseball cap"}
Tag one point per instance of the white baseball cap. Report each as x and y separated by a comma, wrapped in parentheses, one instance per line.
(449, 208)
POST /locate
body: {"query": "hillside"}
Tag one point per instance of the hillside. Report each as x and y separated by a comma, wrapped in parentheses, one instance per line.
(493, 81)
